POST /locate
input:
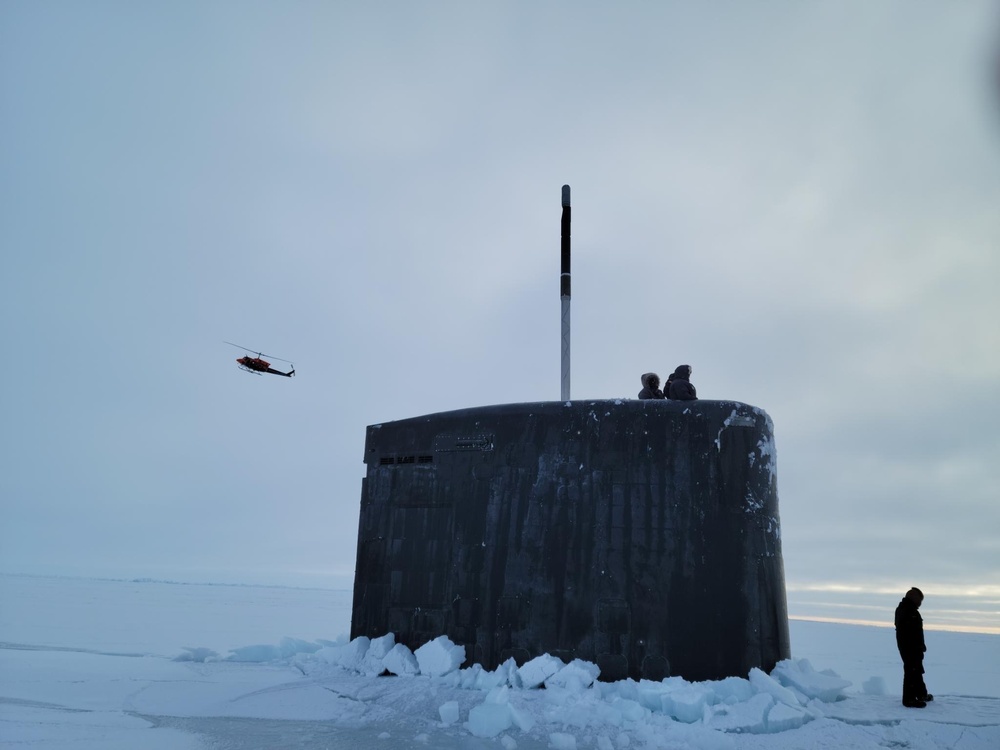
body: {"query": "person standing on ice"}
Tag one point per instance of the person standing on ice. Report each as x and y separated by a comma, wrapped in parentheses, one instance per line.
(910, 641)
(680, 385)
(650, 386)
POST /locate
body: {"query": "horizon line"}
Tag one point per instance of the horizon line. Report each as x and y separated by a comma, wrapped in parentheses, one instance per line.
(981, 629)
(941, 627)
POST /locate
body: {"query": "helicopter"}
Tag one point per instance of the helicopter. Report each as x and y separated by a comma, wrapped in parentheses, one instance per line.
(258, 365)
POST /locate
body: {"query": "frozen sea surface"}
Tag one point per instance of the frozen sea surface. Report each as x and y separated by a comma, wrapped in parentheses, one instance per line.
(92, 664)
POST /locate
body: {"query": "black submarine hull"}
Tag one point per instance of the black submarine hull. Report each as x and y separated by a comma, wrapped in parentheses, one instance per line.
(642, 536)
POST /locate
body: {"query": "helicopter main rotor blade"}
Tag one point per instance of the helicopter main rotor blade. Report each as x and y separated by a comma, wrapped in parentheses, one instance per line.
(251, 351)
(257, 353)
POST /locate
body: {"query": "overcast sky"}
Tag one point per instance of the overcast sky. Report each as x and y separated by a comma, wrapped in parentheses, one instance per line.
(801, 200)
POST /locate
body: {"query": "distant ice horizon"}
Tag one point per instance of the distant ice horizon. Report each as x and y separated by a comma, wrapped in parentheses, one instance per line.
(952, 611)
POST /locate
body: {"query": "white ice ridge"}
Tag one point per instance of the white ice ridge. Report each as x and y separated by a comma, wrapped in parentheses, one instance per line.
(787, 698)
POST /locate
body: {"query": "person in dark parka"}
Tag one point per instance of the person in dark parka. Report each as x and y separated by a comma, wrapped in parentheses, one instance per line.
(910, 641)
(680, 385)
(650, 386)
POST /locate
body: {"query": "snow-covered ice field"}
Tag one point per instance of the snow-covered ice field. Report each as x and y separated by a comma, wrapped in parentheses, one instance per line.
(143, 664)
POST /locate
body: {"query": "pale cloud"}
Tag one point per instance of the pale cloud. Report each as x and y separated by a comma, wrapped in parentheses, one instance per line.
(798, 201)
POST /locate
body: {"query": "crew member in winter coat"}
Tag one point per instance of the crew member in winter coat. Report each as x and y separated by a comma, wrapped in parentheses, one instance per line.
(650, 386)
(680, 385)
(910, 641)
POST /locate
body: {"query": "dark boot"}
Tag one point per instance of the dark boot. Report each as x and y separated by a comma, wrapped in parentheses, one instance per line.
(914, 703)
